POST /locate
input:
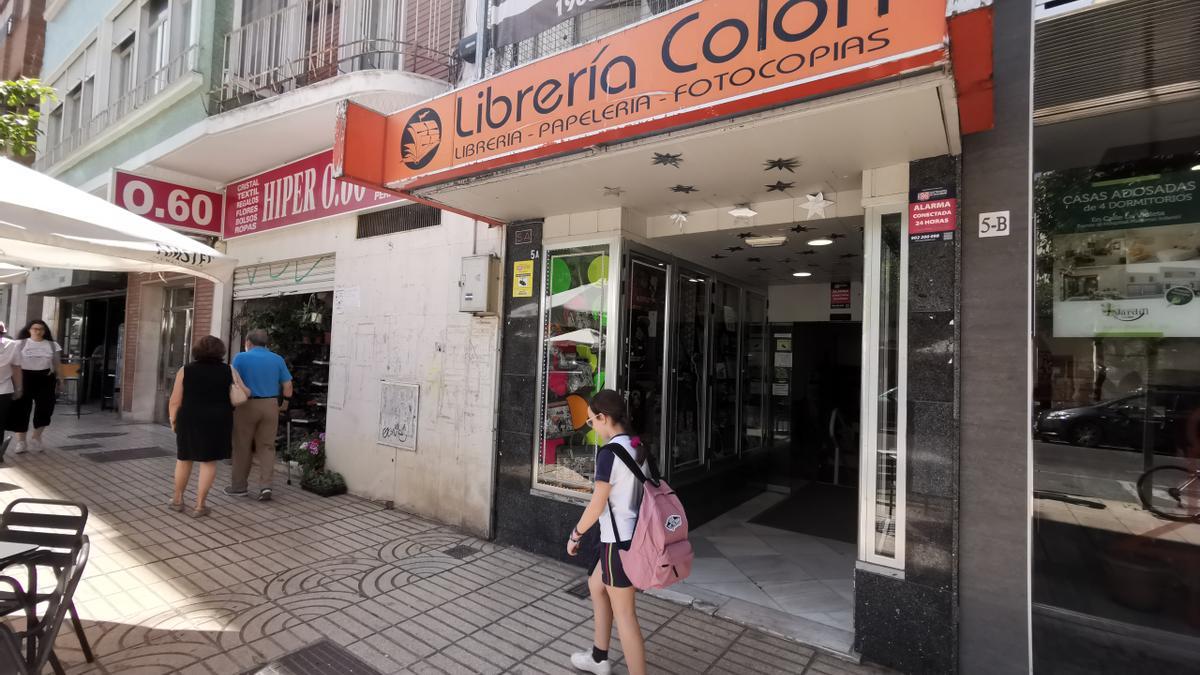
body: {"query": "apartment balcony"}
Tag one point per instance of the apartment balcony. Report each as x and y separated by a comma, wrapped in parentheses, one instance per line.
(141, 96)
(311, 41)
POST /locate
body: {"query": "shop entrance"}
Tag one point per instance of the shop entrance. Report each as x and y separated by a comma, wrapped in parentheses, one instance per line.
(743, 368)
(93, 339)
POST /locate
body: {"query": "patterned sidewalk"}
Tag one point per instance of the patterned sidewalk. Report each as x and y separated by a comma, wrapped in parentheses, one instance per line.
(254, 582)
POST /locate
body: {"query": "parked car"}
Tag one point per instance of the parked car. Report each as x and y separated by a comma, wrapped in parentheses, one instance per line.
(1122, 422)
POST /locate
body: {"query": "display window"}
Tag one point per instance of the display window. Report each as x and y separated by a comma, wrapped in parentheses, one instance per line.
(1116, 420)
(577, 303)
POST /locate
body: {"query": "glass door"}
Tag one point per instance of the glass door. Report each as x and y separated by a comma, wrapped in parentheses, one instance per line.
(176, 345)
(723, 376)
(885, 305)
(688, 368)
(754, 374)
(645, 344)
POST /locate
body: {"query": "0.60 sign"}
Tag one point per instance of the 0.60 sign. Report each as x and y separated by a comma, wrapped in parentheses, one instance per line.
(177, 206)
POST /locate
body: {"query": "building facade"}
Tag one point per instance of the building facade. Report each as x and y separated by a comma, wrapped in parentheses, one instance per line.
(215, 117)
(899, 295)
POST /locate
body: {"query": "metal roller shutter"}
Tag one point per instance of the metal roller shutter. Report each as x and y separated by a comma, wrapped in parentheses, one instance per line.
(313, 274)
(1115, 52)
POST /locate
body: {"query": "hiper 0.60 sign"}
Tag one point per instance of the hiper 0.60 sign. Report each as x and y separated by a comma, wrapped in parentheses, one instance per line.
(177, 206)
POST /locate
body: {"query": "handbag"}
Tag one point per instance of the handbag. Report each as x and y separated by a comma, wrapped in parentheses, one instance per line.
(237, 395)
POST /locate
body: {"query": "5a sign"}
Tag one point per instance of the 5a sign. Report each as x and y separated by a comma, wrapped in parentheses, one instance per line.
(177, 206)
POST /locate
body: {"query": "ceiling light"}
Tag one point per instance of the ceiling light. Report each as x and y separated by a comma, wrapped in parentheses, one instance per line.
(694, 281)
(802, 274)
(743, 211)
(765, 242)
(1196, 168)
(820, 242)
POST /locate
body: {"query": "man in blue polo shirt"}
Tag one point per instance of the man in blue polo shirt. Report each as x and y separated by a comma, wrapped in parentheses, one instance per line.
(256, 422)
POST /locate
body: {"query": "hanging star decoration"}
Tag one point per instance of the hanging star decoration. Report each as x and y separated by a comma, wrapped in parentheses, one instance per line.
(808, 251)
(717, 256)
(782, 164)
(814, 265)
(837, 235)
(801, 229)
(816, 205)
(764, 269)
(613, 191)
(685, 189)
(786, 261)
(745, 235)
(753, 259)
(668, 159)
(679, 219)
(734, 249)
(849, 255)
(780, 186)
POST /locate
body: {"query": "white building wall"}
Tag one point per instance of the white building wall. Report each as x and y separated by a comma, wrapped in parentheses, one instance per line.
(405, 326)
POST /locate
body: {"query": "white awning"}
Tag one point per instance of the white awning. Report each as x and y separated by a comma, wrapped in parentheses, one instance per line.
(11, 274)
(47, 223)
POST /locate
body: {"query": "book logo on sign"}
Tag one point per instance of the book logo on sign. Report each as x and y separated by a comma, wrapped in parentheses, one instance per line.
(422, 138)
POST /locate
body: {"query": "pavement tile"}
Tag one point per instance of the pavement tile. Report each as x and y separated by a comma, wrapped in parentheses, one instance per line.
(164, 593)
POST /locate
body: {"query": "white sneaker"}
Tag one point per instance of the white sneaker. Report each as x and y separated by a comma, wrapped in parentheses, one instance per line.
(583, 661)
(19, 447)
(35, 445)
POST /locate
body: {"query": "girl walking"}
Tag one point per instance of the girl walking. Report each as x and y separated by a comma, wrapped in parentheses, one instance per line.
(40, 358)
(201, 415)
(615, 506)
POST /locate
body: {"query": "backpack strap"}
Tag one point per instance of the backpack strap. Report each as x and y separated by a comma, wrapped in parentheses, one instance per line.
(620, 451)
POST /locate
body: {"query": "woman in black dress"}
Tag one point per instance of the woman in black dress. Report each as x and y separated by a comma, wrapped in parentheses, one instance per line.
(202, 418)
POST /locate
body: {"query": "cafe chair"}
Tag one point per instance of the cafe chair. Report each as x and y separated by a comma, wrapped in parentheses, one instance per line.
(41, 633)
(61, 538)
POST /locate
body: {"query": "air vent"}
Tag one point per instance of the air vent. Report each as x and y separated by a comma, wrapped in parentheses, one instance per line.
(399, 219)
(1115, 53)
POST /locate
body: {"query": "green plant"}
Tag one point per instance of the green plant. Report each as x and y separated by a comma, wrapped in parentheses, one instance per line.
(323, 482)
(309, 453)
(19, 114)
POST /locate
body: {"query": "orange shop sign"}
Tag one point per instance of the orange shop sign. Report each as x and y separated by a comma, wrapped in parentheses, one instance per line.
(704, 60)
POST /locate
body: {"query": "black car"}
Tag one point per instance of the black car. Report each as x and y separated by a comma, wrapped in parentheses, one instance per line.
(1125, 422)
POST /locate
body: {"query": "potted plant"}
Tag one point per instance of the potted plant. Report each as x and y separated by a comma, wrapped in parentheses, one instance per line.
(309, 453)
(324, 483)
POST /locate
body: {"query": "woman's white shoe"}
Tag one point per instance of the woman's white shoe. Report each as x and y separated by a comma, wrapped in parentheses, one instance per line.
(19, 447)
(584, 661)
(35, 445)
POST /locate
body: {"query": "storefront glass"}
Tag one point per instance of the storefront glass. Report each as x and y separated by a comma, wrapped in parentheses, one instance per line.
(723, 378)
(691, 334)
(1117, 399)
(574, 363)
(646, 340)
(887, 362)
(754, 363)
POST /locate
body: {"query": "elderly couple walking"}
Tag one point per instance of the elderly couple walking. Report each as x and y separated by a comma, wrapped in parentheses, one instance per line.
(212, 421)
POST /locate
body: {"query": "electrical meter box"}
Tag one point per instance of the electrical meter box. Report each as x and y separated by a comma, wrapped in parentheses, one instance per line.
(477, 287)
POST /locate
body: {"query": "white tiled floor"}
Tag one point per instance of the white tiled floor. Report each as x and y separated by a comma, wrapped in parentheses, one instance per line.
(801, 575)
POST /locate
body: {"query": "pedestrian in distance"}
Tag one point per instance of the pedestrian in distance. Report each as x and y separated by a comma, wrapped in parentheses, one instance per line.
(10, 381)
(614, 506)
(201, 413)
(256, 423)
(41, 366)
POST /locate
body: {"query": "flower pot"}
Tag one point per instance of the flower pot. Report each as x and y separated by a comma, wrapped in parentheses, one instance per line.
(325, 490)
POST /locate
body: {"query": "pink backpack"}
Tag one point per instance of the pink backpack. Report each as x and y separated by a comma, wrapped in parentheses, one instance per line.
(660, 553)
